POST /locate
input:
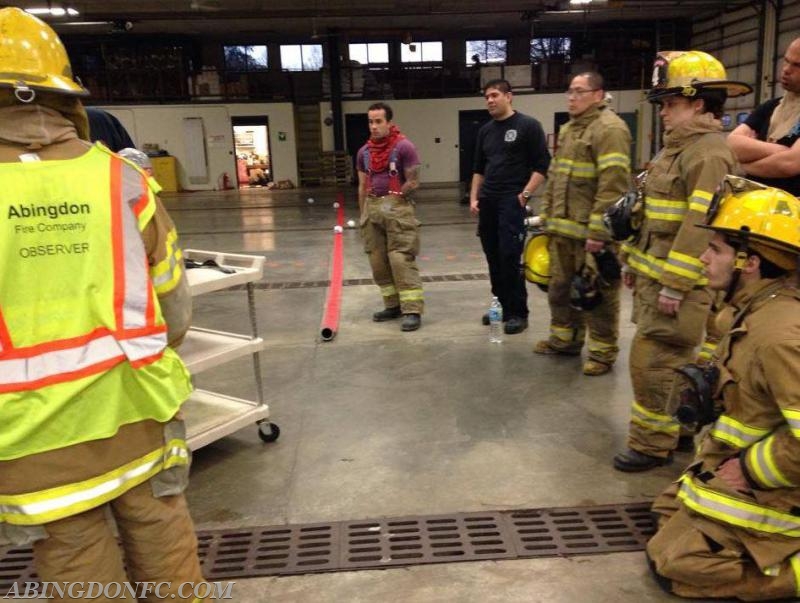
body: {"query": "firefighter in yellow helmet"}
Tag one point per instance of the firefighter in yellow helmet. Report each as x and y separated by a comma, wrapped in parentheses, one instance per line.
(729, 528)
(662, 261)
(89, 385)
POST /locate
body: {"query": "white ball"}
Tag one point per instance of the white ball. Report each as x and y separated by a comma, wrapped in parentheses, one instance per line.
(351, 223)
(310, 199)
(335, 205)
(337, 228)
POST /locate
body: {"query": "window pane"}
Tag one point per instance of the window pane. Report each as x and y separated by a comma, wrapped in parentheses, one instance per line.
(312, 57)
(543, 49)
(257, 57)
(235, 58)
(432, 52)
(358, 52)
(379, 52)
(410, 56)
(290, 58)
(495, 51)
(476, 49)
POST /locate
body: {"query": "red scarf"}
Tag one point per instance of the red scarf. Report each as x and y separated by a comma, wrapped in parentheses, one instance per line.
(381, 148)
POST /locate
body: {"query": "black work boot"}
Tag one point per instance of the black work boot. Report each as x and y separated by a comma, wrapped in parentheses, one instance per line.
(632, 461)
(411, 322)
(515, 325)
(386, 314)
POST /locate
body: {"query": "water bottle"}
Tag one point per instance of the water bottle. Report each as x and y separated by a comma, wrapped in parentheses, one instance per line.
(495, 321)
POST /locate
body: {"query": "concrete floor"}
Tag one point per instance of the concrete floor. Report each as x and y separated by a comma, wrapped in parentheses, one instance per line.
(381, 423)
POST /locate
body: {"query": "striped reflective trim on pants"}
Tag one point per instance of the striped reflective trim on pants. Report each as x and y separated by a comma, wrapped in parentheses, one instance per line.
(34, 508)
(409, 295)
(388, 290)
(735, 511)
(565, 334)
(653, 421)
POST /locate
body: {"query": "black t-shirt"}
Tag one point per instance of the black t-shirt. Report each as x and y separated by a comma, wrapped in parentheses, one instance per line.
(758, 121)
(507, 152)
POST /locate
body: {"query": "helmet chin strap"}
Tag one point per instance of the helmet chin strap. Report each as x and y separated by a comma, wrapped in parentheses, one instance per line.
(738, 265)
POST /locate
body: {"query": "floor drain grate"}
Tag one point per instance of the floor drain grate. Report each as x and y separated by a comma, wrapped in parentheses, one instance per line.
(394, 542)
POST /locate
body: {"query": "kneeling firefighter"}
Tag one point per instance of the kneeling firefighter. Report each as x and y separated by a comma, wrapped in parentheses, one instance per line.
(662, 261)
(730, 528)
(89, 385)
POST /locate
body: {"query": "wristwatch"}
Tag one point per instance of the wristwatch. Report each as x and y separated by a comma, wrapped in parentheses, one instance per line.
(526, 195)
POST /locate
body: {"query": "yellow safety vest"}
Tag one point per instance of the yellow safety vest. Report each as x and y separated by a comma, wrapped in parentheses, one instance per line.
(83, 347)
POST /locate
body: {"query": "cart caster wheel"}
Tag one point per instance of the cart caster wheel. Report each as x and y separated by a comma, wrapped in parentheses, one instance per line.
(268, 432)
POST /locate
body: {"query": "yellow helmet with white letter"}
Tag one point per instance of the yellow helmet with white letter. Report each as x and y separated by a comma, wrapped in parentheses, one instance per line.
(690, 73)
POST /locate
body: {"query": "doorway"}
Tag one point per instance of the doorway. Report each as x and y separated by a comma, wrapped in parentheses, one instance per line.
(356, 128)
(469, 122)
(251, 145)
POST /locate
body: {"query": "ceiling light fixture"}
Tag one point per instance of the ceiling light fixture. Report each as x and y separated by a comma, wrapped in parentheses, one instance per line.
(53, 11)
(580, 1)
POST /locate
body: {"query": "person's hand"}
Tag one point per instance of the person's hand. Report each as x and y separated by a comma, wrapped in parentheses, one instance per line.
(668, 305)
(628, 279)
(594, 246)
(730, 472)
(522, 200)
(473, 207)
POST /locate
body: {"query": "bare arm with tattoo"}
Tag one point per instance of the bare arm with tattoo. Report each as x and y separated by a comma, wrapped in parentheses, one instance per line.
(412, 180)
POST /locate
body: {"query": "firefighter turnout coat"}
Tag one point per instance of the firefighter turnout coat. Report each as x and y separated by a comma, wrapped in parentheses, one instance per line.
(759, 362)
(665, 259)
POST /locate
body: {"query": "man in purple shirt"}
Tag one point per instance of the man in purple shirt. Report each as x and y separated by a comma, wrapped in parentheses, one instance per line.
(388, 173)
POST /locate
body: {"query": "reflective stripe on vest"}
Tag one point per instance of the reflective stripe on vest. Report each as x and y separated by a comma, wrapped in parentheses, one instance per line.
(135, 336)
(735, 511)
(35, 508)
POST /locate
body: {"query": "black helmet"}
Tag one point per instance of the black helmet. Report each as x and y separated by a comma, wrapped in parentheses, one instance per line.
(584, 289)
(618, 218)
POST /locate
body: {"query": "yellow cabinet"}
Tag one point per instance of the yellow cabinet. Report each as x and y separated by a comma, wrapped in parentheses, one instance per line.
(165, 171)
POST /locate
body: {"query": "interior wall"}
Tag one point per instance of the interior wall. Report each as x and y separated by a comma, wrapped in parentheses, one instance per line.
(423, 121)
(163, 125)
(426, 120)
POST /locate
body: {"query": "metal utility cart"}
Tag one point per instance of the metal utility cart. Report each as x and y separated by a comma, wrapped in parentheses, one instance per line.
(209, 415)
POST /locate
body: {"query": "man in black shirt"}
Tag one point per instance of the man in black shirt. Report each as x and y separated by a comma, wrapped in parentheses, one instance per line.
(765, 144)
(511, 160)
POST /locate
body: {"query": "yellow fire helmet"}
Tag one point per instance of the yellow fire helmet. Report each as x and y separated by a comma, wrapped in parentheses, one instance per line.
(689, 72)
(537, 261)
(32, 57)
(759, 215)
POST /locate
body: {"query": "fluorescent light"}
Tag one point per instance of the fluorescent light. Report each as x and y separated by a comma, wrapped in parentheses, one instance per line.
(53, 12)
(580, 1)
